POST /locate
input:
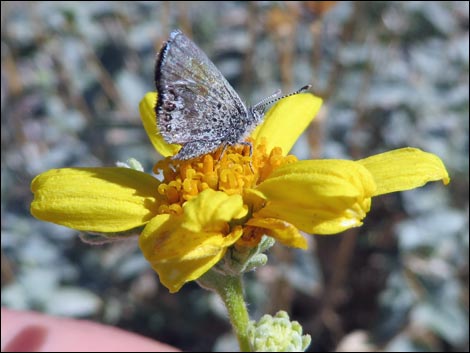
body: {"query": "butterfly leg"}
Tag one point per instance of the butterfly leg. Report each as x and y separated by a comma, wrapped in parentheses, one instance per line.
(225, 145)
(249, 144)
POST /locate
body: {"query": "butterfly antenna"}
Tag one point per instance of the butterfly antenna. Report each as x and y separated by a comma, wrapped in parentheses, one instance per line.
(265, 101)
(276, 96)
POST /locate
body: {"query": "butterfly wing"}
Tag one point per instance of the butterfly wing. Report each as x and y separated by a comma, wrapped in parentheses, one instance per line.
(195, 102)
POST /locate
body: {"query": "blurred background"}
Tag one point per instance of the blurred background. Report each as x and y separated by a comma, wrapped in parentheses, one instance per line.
(392, 74)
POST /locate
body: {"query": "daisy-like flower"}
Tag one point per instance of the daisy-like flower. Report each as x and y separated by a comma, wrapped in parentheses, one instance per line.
(197, 209)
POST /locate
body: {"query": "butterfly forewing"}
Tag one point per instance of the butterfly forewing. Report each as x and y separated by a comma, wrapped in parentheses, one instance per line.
(195, 102)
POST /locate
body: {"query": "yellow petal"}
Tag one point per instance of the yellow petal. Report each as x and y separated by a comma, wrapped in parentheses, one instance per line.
(285, 122)
(319, 196)
(180, 256)
(182, 248)
(95, 199)
(149, 120)
(175, 273)
(404, 169)
(280, 230)
(211, 210)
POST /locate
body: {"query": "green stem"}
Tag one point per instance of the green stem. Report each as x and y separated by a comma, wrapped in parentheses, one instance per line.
(230, 289)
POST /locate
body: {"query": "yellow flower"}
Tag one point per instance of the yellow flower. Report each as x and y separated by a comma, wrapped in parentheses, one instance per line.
(197, 209)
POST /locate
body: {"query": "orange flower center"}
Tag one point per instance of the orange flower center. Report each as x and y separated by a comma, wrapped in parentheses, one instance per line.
(232, 173)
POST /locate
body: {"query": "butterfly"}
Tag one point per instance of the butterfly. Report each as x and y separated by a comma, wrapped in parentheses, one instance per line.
(196, 106)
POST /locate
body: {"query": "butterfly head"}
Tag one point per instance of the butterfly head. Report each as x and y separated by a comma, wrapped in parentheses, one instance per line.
(257, 113)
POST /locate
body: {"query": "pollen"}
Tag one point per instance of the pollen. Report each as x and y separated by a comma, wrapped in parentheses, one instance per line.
(231, 170)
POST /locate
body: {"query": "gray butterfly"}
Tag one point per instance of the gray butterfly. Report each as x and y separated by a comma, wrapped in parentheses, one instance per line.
(196, 106)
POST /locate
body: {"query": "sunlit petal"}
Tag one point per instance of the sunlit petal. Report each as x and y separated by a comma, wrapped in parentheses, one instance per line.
(285, 122)
(149, 120)
(320, 196)
(95, 199)
(404, 169)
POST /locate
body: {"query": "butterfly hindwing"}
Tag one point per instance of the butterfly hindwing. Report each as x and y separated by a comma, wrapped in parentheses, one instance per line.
(195, 102)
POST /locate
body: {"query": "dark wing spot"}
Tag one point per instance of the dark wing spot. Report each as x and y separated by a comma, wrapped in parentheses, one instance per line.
(169, 106)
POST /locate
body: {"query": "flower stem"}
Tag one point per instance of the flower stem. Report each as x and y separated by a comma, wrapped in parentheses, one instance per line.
(232, 295)
(230, 289)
